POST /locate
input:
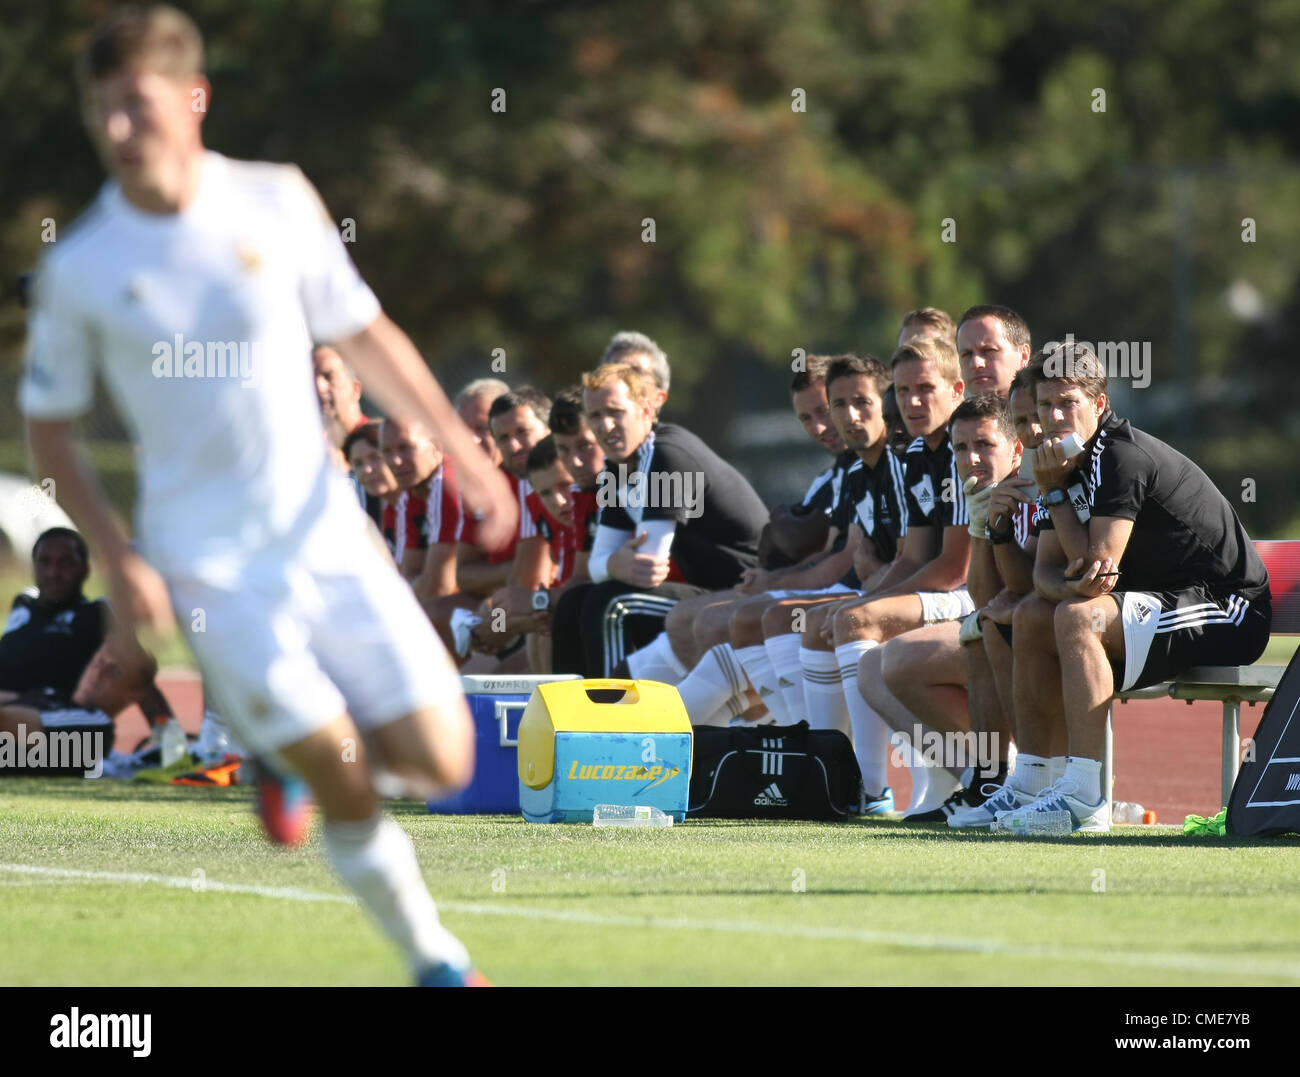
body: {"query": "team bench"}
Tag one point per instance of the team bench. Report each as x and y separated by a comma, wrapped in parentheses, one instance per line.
(1230, 685)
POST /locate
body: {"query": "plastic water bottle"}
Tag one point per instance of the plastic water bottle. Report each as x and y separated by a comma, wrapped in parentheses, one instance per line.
(171, 742)
(629, 815)
(1125, 811)
(1038, 824)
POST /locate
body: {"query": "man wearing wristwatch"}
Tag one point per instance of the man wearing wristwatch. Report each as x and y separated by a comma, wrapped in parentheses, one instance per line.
(1142, 570)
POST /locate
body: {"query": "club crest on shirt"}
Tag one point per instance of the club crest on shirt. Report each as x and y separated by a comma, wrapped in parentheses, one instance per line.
(923, 491)
(249, 257)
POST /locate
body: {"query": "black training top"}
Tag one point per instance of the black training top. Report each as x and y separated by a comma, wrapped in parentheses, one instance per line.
(873, 498)
(46, 646)
(1184, 530)
(825, 488)
(934, 494)
(675, 476)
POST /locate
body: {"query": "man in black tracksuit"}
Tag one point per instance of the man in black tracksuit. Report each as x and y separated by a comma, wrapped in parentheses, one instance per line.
(675, 520)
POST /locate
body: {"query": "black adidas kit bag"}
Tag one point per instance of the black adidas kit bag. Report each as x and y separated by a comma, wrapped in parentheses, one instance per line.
(773, 772)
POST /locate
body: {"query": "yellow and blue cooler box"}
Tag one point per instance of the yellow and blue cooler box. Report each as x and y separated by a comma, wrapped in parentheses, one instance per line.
(496, 705)
(583, 743)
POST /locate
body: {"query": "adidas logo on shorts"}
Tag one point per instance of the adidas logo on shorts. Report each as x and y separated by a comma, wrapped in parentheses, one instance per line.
(770, 798)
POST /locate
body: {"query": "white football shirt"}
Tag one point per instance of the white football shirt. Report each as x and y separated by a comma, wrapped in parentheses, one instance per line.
(201, 324)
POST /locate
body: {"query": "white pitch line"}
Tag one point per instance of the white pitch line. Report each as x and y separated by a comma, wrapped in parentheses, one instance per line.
(178, 882)
(996, 947)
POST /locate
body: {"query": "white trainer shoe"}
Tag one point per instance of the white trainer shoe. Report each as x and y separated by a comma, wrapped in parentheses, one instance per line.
(1001, 798)
(1059, 797)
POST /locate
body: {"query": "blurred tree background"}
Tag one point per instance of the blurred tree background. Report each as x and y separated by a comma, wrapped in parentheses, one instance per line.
(799, 163)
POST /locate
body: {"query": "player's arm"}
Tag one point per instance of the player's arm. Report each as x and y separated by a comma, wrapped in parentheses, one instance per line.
(397, 379)
(412, 564)
(754, 581)
(983, 580)
(1016, 566)
(945, 570)
(475, 574)
(917, 547)
(1049, 568)
(437, 576)
(532, 567)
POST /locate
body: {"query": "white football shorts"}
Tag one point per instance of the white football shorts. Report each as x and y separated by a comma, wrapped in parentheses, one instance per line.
(939, 606)
(308, 629)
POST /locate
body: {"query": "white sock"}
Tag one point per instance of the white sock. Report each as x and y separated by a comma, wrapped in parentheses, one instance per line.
(1033, 773)
(758, 668)
(657, 662)
(870, 733)
(920, 771)
(941, 786)
(377, 861)
(784, 652)
(823, 692)
(1086, 775)
(716, 678)
(1057, 766)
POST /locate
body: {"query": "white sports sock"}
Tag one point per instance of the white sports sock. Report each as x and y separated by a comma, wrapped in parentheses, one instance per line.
(823, 692)
(1057, 766)
(758, 668)
(1033, 773)
(920, 772)
(783, 650)
(377, 861)
(870, 733)
(657, 662)
(939, 789)
(716, 679)
(1086, 775)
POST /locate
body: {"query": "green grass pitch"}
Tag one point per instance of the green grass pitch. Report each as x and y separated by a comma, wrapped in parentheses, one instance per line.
(116, 883)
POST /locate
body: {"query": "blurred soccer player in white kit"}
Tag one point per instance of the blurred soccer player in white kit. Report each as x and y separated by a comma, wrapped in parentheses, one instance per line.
(197, 285)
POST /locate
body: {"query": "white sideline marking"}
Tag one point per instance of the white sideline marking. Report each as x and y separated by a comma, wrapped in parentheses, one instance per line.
(1180, 962)
(177, 882)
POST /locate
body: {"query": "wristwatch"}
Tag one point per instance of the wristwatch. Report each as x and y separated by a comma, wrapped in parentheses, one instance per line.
(1055, 497)
(999, 538)
(541, 600)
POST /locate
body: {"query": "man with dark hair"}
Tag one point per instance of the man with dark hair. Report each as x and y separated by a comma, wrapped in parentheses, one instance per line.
(925, 675)
(992, 343)
(675, 520)
(1161, 576)
(798, 531)
(56, 671)
(517, 421)
(362, 451)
